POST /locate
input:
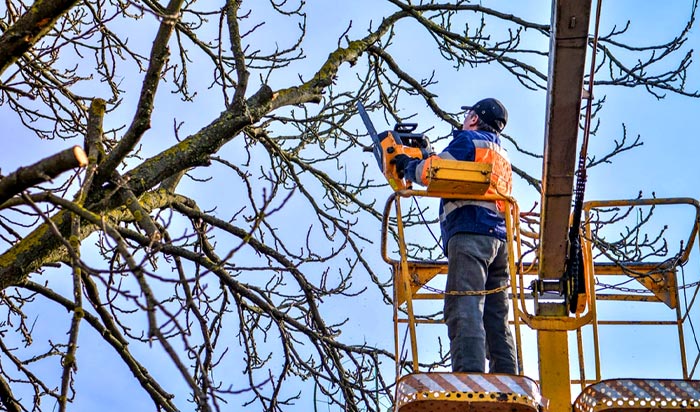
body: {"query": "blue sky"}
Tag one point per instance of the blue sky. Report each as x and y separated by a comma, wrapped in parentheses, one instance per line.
(666, 164)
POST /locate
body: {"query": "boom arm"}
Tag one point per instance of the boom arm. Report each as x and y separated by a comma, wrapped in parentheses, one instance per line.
(570, 21)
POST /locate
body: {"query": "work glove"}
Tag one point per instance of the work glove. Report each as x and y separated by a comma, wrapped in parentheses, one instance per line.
(400, 161)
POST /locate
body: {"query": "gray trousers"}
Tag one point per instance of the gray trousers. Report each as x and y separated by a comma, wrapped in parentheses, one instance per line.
(478, 325)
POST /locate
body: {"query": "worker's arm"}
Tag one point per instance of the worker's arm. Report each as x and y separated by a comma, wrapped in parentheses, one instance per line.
(413, 169)
(416, 170)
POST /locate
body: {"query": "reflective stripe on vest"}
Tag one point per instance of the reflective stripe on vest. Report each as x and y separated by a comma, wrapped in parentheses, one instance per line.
(422, 170)
(449, 206)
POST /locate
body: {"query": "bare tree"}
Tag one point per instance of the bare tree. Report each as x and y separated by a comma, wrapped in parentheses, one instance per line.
(223, 229)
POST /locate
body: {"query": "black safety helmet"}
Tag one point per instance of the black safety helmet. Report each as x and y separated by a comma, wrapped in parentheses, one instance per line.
(491, 111)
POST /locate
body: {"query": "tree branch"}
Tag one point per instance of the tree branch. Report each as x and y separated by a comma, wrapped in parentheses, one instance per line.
(42, 171)
(30, 28)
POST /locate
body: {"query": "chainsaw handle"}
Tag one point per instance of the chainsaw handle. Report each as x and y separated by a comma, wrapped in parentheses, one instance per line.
(391, 148)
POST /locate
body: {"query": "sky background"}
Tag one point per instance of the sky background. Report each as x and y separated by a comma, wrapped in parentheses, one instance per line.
(666, 164)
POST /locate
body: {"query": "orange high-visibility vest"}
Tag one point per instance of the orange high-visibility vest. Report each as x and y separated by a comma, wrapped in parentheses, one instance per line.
(484, 152)
(501, 173)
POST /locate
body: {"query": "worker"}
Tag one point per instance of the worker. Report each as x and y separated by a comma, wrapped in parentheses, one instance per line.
(474, 241)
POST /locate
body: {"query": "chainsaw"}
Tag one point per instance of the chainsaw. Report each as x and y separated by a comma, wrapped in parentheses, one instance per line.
(391, 143)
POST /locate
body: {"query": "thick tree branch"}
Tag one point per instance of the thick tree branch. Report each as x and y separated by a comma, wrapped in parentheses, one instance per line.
(7, 398)
(42, 171)
(232, 7)
(30, 28)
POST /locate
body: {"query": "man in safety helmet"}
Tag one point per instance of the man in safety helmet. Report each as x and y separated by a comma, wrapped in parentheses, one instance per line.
(474, 240)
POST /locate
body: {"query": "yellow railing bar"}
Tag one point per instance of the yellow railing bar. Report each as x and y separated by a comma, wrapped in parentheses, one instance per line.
(610, 270)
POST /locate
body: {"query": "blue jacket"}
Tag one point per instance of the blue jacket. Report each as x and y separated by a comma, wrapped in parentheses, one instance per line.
(456, 216)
